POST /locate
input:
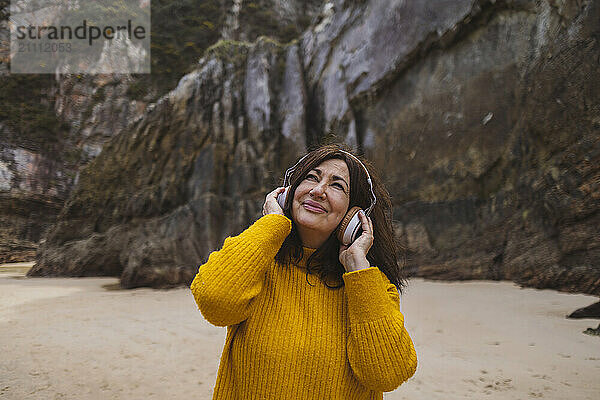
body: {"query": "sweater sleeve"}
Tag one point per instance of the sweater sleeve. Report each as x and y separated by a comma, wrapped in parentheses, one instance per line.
(380, 351)
(226, 284)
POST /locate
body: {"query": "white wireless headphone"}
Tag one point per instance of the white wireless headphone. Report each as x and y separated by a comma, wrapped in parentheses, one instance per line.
(350, 227)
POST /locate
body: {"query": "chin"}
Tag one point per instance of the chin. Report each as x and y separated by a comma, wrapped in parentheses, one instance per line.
(309, 220)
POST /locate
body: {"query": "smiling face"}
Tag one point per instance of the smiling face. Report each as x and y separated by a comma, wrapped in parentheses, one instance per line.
(321, 201)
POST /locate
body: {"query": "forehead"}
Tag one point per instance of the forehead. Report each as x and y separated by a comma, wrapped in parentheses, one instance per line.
(334, 166)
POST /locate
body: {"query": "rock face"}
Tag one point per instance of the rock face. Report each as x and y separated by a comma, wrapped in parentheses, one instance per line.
(159, 198)
(482, 116)
(506, 131)
(43, 146)
(51, 127)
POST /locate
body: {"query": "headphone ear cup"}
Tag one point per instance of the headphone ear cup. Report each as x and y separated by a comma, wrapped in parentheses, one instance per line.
(350, 227)
(282, 196)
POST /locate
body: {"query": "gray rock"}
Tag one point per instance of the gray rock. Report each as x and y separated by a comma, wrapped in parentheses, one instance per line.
(593, 331)
(591, 311)
(292, 99)
(208, 172)
(481, 115)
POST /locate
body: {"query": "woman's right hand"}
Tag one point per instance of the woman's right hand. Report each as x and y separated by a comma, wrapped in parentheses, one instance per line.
(271, 206)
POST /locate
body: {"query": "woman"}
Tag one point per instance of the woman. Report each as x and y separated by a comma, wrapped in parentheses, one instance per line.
(306, 316)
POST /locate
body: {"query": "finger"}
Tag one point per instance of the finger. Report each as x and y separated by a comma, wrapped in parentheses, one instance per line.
(276, 192)
(272, 194)
(364, 222)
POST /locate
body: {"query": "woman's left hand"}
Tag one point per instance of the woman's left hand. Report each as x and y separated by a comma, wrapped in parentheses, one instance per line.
(354, 257)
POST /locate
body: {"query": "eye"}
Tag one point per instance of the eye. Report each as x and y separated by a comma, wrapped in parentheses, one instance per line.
(311, 177)
(339, 186)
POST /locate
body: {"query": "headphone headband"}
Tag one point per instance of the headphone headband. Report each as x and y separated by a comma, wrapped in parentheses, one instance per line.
(290, 170)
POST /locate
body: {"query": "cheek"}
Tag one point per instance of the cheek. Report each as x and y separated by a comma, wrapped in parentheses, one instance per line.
(341, 206)
(301, 190)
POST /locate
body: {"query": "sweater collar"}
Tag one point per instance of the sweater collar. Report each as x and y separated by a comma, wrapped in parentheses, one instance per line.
(307, 252)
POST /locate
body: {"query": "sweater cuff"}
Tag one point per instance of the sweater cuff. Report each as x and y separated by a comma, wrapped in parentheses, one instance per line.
(366, 292)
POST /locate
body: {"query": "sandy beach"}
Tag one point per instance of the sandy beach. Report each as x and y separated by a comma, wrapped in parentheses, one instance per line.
(81, 338)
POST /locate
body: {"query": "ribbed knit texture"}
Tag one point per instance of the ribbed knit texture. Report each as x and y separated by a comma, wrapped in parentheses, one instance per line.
(287, 339)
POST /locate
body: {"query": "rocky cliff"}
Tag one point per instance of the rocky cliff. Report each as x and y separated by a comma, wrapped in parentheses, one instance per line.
(52, 126)
(483, 117)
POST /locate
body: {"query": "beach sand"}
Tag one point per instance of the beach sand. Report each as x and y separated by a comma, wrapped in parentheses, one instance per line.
(79, 338)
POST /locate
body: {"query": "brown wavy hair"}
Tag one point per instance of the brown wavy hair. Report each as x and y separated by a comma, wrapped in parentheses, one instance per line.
(325, 260)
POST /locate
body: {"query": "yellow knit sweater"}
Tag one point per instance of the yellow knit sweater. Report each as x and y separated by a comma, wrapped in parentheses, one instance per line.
(287, 339)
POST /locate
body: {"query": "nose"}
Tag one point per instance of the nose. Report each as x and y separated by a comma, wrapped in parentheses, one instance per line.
(318, 190)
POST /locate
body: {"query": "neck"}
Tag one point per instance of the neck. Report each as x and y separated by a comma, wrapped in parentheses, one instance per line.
(310, 238)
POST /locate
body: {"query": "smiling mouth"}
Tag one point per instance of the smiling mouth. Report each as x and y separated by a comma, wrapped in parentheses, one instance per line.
(313, 207)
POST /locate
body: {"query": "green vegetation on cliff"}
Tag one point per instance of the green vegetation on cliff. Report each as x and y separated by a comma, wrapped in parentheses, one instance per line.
(27, 110)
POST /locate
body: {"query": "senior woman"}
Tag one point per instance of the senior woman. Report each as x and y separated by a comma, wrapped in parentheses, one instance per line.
(309, 317)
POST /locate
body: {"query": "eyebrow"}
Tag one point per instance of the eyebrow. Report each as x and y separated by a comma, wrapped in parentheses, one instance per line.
(333, 177)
